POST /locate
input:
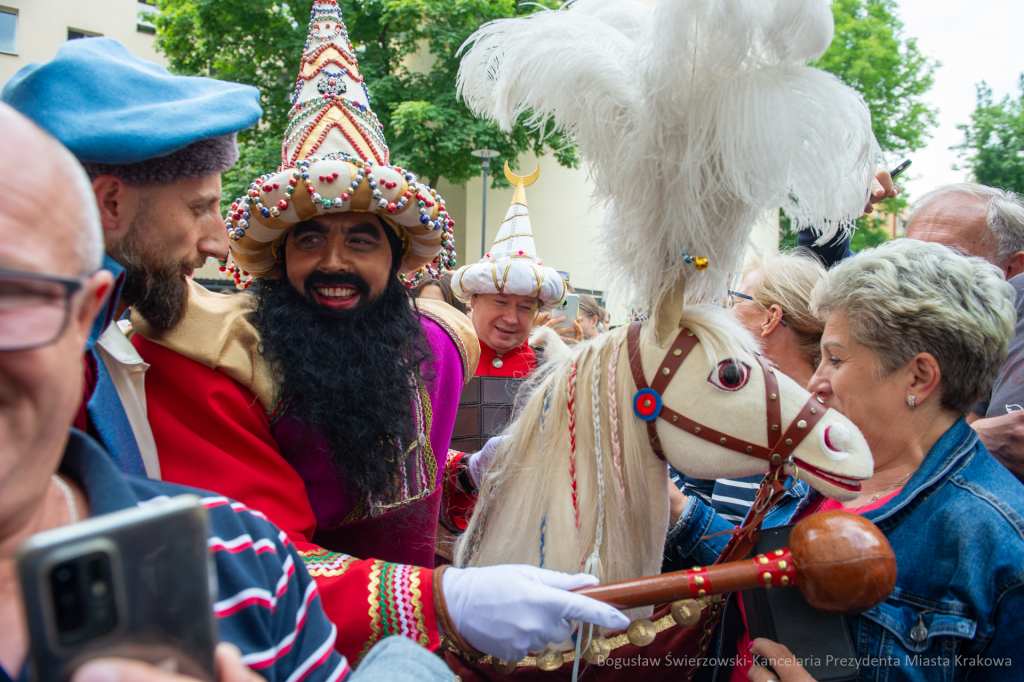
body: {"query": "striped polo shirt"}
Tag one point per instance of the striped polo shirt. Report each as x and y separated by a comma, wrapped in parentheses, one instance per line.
(267, 606)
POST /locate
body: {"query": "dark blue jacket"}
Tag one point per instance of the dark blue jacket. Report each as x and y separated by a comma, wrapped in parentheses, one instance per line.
(957, 528)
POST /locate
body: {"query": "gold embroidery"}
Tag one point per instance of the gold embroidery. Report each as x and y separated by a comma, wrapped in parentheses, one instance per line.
(374, 609)
(417, 600)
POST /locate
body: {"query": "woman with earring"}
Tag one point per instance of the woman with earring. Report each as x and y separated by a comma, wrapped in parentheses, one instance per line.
(914, 334)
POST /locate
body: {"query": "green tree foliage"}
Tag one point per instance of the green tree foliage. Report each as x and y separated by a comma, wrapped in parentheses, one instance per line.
(871, 54)
(407, 52)
(993, 145)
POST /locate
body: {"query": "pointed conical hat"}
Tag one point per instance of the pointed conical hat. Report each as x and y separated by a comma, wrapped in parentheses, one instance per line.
(335, 159)
(512, 266)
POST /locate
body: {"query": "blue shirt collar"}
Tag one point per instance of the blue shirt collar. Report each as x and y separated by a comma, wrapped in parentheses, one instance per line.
(91, 467)
(106, 314)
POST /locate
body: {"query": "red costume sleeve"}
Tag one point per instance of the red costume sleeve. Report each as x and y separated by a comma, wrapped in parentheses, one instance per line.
(457, 504)
(211, 433)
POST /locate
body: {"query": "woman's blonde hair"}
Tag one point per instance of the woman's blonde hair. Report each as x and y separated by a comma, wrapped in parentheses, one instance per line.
(787, 280)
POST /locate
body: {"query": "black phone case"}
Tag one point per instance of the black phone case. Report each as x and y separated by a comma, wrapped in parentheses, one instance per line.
(820, 641)
(164, 584)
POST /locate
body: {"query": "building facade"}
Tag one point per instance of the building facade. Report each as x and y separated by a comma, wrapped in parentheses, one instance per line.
(32, 30)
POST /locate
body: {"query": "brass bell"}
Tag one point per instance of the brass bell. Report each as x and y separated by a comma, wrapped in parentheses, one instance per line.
(686, 612)
(550, 660)
(598, 651)
(503, 667)
(641, 632)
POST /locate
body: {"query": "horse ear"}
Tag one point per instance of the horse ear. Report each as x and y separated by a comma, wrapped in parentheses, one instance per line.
(669, 311)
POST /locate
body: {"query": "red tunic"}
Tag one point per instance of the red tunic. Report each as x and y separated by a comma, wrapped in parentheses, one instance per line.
(221, 440)
(518, 362)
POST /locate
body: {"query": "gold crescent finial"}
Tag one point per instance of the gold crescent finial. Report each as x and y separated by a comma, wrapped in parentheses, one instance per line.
(520, 182)
(525, 180)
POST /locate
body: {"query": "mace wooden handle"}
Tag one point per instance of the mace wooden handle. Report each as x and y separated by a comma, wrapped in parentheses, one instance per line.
(841, 562)
(762, 571)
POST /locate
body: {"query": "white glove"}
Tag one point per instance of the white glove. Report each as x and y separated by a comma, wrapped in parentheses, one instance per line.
(479, 461)
(508, 611)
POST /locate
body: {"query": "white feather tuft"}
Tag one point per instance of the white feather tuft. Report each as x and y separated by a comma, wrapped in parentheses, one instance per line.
(694, 117)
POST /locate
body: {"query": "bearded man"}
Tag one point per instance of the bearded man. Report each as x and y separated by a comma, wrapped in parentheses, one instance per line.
(326, 401)
(154, 146)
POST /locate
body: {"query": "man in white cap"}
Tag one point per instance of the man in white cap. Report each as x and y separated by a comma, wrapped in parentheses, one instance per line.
(507, 288)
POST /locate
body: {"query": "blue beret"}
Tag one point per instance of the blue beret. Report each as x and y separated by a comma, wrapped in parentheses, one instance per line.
(108, 106)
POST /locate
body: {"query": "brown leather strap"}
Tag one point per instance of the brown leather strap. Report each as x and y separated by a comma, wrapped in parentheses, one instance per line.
(637, 368)
(713, 436)
(685, 342)
(444, 619)
(773, 401)
(804, 422)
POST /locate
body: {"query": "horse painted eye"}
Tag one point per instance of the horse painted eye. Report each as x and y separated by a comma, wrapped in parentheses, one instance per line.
(730, 375)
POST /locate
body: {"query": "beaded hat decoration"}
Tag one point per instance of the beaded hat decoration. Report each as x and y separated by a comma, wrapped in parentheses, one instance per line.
(335, 159)
(512, 265)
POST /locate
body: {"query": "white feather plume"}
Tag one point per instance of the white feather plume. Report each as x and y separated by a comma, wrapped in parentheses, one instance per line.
(694, 118)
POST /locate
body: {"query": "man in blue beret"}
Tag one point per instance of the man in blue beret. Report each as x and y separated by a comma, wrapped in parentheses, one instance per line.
(154, 145)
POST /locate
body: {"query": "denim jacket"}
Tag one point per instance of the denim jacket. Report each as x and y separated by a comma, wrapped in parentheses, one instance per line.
(957, 528)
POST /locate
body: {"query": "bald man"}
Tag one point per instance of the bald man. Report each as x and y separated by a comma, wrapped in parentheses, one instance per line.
(988, 223)
(51, 290)
(982, 221)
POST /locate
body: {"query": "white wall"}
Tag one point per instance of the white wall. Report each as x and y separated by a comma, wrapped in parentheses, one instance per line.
(43, 27)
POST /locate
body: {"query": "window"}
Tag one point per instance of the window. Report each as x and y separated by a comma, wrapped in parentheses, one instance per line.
(145, 12)
(75, 34)
(598, 295)
(8, 30)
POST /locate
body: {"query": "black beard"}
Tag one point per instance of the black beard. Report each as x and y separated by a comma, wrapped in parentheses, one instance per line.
(154, 286)
(349, 374)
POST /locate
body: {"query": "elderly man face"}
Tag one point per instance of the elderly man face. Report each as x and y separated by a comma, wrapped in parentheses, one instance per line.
(961, 221)
(48, 299)
(503, 321)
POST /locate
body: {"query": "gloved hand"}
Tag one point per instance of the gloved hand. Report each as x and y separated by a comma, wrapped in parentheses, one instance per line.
(479, 461)
(508, 611)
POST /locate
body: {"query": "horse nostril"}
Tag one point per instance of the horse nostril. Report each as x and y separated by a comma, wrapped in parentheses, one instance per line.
(835, 439)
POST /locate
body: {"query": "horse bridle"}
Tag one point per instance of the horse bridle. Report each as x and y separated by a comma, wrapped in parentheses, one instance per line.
(780, 444)
(648, 406)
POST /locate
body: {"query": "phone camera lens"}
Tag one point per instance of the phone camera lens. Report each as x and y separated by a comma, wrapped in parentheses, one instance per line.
(83, 600)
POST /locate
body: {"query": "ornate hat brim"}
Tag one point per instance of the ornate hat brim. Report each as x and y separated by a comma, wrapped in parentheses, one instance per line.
(337, 183)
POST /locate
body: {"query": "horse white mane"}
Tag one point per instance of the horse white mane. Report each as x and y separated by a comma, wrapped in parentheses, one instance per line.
(694, 117)
(529, 479)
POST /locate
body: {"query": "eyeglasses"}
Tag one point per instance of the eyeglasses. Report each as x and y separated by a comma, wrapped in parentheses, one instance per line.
(731, 303)
(733, 295)
(588, 311)
(34, 308)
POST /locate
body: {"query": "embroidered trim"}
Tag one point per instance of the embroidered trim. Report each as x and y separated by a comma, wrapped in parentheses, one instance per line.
(428, 450)
(372, 598)
(323, 563)
(396, 604)
(450, 331)
(417, 607)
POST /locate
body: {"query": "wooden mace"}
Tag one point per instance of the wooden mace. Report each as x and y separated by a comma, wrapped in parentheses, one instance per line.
(840, 561)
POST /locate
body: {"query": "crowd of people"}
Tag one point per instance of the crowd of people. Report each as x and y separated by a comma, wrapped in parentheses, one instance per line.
(324, 404)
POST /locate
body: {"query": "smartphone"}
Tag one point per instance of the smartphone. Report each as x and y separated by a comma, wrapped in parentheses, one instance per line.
(139, 583)
(821, 641)
(898, 170)
(570, 308)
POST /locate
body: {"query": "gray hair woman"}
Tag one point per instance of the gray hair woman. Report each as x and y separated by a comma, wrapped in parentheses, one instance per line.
(914, 335)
